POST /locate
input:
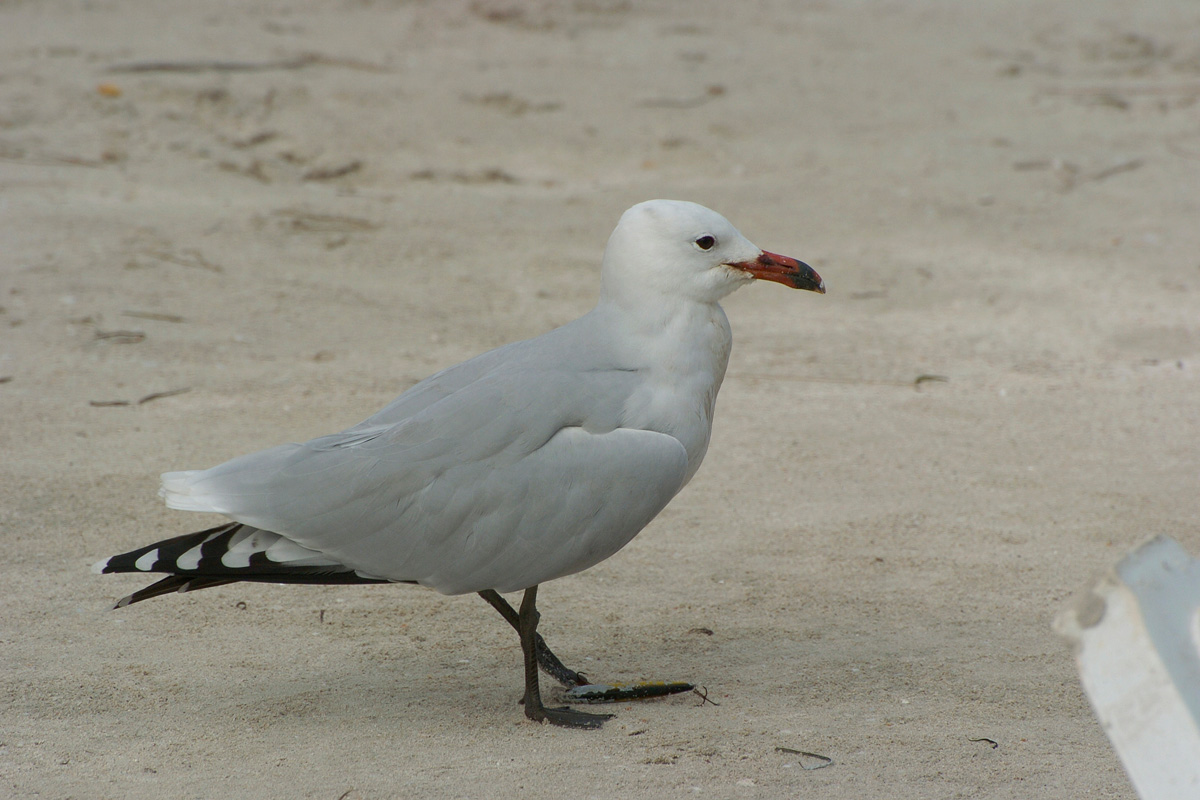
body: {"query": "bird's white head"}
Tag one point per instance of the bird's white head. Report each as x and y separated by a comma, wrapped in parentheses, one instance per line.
(674, 249)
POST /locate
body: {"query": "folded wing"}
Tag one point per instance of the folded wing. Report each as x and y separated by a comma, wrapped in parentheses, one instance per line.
(479, 489)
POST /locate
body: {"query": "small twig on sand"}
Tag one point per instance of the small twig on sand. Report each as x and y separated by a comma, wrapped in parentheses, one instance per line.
(992, 742)
(825, 760)
(120, 337)
(144, 399)
(203, 65)
(926, 378)
(154, 315)
(329, 173)
(160, 395)
(1118, 169)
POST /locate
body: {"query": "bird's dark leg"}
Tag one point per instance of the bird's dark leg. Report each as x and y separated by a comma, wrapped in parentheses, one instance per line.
(580, 688)
(527, 627)
(545, 657)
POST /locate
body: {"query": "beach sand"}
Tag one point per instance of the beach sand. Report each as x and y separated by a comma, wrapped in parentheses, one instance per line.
(228, 225)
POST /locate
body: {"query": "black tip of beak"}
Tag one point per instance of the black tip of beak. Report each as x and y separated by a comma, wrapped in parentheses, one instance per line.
(807, 278)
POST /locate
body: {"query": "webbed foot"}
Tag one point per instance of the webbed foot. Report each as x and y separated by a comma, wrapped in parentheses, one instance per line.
(568, 718)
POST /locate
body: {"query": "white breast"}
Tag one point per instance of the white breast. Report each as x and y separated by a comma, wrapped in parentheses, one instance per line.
(680, 390)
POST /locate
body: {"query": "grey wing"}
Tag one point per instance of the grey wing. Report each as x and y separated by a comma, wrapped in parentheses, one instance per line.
(470, 494)
(506, 524)
(558, 348)
(439, 386)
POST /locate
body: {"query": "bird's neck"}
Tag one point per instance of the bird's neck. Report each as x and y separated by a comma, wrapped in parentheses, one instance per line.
(681, 350)
(671, 333)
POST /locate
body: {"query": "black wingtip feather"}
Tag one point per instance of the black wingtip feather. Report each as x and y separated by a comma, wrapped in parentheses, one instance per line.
(211, 572)
(169, 584)
(168, 551)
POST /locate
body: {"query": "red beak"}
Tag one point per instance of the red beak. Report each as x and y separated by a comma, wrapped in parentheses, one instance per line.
(785, 270)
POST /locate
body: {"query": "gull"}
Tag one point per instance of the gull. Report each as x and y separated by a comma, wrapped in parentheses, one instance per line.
(524, 464)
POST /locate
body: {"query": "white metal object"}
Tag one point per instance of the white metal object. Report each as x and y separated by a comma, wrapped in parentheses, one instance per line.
(1137, 643)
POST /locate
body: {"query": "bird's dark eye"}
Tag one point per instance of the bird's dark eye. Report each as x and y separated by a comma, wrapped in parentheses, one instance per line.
(706, 242)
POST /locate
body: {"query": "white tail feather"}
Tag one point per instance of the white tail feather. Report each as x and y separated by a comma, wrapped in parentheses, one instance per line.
(177, 491)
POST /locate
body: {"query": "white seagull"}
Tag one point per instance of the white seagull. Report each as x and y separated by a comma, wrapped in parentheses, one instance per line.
(527, 463)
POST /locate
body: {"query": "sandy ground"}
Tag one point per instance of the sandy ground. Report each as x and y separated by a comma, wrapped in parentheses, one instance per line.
(1003, 194)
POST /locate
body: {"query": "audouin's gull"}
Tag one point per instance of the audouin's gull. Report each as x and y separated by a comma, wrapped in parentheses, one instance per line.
(527, 463)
